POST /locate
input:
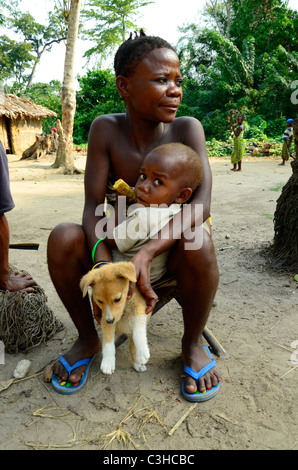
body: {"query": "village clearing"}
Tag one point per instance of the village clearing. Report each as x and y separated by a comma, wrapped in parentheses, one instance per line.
(255, 320)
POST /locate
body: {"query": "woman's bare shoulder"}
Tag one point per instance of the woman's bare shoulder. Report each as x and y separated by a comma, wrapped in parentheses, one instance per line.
(187, 127)
(183, 122)
(107, 121)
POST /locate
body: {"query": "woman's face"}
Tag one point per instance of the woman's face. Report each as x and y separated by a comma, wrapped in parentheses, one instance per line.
(154, 89)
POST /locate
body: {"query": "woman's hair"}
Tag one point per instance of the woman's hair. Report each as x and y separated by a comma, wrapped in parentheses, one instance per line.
(133, 50)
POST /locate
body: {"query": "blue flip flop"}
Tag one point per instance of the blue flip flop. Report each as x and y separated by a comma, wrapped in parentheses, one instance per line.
(64, 386)
(200, 396)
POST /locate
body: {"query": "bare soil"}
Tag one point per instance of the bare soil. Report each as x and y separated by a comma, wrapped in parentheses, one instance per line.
(255, 320)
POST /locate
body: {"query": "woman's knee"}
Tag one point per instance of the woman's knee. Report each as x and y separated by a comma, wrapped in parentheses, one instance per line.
(64, 240)
(195, 256)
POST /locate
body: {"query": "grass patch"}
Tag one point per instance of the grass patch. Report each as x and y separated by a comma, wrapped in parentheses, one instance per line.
(278, 186)
(268, 216)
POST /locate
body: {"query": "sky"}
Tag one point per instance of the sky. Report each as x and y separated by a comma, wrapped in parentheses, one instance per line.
(161, 18)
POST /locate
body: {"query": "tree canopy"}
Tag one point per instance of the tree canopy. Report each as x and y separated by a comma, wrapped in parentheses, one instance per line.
(19, 57)
(243, 56)
(107, 23)
(246, 58)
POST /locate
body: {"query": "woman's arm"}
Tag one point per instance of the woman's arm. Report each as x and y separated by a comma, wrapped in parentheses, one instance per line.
(95, 184)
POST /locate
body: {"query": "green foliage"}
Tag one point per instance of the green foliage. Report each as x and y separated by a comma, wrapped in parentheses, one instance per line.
(107, 24)
(48, 95)
(15, 58)
(97, 96)
(19, 58)
(219, 149)
(271, 23)
(276, 128)
(256, 128)
(245, 59)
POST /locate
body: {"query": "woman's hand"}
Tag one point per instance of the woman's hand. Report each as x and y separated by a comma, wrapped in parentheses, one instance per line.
(96, 311)
(142, 264)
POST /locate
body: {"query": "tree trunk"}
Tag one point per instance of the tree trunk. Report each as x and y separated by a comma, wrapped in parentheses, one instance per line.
(285, 243)
(64, 156)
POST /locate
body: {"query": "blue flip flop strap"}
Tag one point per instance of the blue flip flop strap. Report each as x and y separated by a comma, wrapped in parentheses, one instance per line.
(75, 366)
(198, 375)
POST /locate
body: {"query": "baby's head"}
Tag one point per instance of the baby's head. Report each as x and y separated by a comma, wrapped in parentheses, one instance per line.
(134, 50)
(169, 174)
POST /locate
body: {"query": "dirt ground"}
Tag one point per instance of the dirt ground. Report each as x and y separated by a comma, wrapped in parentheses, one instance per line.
(255, 320)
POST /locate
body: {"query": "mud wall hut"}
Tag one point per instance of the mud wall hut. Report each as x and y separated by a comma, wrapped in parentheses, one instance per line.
(20, 121)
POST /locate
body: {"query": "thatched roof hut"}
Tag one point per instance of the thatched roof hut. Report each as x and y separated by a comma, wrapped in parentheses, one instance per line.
(20, 121)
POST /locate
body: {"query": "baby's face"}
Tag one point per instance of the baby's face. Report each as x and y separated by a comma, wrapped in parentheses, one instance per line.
(159, 181)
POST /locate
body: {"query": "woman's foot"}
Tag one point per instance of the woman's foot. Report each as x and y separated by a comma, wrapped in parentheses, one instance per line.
(80, 350)
(196, 357)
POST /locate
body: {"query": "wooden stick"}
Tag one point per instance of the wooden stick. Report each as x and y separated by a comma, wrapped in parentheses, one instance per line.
(182, 419)
(217, 348)
(293, 368)
(24, 246)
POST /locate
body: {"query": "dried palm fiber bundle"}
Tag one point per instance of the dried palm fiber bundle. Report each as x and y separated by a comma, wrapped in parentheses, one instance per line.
(25, 319)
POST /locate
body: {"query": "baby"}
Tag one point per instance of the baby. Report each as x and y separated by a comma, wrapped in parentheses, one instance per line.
(168, 176)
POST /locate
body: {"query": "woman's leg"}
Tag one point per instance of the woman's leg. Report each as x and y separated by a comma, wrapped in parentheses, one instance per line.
(197, 277)
(68, 260)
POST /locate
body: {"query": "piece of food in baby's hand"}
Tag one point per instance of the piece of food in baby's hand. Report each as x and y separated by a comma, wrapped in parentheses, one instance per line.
(124, 189)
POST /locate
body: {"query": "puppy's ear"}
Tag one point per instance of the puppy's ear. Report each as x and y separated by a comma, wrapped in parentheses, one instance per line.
(86, 281)
(126, 270)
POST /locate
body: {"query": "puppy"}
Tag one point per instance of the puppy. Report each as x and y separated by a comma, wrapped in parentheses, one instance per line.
(110, 285)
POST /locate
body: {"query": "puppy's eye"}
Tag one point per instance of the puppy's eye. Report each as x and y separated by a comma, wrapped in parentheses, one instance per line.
(117, 300)
(99, 301)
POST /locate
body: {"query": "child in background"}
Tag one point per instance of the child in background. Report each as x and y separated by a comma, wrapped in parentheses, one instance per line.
(238, 144)
(287, 142)
(17, 280)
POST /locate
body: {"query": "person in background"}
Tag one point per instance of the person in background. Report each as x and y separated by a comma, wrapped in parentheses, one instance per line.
(238, 144)
(287, 142)
(8, 281)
